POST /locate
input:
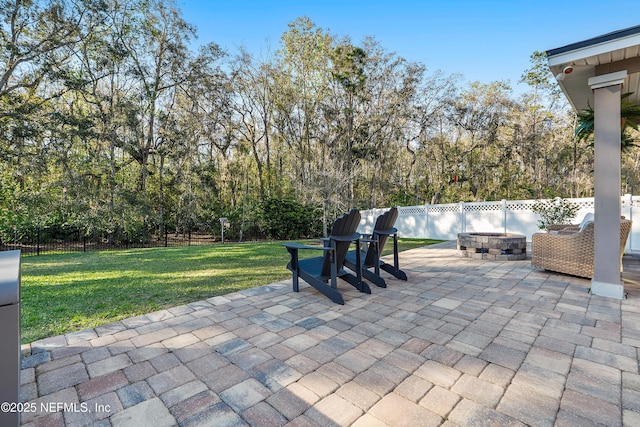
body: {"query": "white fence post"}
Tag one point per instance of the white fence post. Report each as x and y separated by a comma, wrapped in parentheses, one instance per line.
(426, 219)
(463, 224)
(504, 214)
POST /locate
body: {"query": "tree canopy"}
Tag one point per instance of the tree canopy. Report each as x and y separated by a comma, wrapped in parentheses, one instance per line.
(112, 123)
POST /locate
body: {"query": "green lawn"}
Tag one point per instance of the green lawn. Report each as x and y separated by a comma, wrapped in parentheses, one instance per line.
(68, 292)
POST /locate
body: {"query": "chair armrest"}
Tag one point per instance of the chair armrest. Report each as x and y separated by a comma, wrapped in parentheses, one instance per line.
(563, 227)
(559, 235)
(388, 232)
(350, 238)
(296, 246)
(293, 248)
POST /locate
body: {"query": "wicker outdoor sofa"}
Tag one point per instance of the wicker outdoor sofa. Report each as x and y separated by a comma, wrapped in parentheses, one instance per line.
(569, 249)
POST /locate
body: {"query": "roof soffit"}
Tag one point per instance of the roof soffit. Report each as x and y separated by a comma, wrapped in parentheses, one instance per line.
(606, 54)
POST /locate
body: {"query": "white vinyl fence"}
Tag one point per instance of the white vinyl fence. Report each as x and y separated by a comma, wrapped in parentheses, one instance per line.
(507, 216)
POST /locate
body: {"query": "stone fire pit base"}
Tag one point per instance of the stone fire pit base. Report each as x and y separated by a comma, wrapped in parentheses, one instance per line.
(492, 246)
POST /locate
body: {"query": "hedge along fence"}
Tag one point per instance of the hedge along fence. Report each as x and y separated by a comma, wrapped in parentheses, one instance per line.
(273, 218)
(35, 240)
(289, 219)
(506, 216)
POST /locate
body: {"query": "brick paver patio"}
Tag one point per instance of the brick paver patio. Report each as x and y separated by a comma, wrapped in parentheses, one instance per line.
(463, 342)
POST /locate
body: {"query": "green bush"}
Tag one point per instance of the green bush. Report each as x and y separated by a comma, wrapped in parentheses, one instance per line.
(555, 211)
(289, 219)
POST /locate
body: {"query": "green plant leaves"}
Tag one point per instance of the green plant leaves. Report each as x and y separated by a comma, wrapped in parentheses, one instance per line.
(555, 211)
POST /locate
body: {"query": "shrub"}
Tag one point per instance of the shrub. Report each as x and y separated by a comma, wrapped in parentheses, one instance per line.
(555, 211)
(289, 219)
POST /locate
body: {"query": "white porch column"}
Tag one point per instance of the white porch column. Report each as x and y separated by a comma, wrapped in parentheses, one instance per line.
(606, 277)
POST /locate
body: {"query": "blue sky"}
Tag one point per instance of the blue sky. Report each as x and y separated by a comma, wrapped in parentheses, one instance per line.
(482, 40)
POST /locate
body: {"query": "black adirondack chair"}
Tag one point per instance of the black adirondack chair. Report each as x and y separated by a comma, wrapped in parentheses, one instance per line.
(317, 271)
(383, 228)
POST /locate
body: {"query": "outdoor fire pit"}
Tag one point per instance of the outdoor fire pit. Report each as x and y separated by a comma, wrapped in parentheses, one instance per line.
(493, 246)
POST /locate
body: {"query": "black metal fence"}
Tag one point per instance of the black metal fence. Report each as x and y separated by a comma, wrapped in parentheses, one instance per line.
(38, 240)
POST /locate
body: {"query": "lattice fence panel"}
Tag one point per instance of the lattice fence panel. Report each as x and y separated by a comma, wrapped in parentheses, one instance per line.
(484, 207)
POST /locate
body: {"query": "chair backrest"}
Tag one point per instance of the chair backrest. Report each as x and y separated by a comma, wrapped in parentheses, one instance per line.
(385, 222)
(342, 227)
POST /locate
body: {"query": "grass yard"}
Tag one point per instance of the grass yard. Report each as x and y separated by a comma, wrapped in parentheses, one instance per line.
(69, 292)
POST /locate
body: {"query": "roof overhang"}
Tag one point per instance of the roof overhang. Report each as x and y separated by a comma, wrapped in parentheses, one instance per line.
(610, 53)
